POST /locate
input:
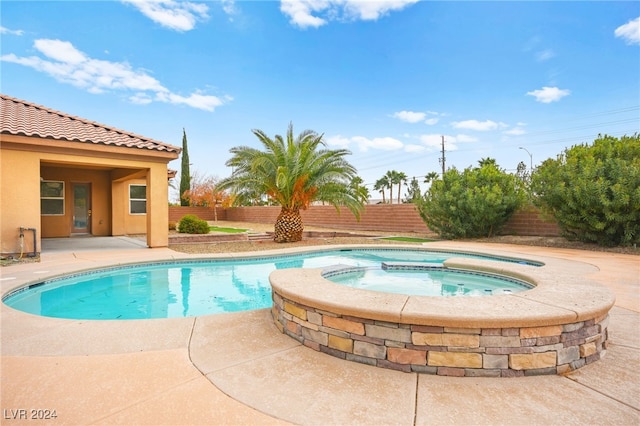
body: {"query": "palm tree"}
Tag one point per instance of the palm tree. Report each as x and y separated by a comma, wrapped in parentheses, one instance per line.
(430, 177)
(293, 172)
(400, 177)
(358, 187)
(380, 185)
(390, 176)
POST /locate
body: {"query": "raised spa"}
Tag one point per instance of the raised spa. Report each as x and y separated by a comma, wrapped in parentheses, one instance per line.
(558, 326)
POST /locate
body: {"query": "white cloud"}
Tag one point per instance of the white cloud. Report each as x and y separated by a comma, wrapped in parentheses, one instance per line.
(516, 131)
(414, 148)
(372, 10)
(228, 6)
(462, 138)
(303, 13)
(409, 116)
(172, 14)
(338, 141)
(59, 50)
(480, 126)
(549, 94)
(385, 144)
(417, 117)
(67, 64)
(433, 142)
(630, 31)
(545, 55)
(4, 30)
(365, 144)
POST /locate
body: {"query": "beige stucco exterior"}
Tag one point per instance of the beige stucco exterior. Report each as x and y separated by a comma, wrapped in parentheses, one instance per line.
(107, 171)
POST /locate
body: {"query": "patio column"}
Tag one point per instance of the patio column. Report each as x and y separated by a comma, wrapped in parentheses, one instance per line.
(157, 206)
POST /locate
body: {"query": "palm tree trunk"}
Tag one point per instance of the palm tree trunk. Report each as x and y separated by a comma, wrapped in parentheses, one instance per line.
(288, 227)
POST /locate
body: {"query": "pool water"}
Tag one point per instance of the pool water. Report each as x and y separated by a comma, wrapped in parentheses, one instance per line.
(428, 283)
(193, 288)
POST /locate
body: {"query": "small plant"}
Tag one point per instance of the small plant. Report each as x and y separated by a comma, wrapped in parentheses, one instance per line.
(192, 224)
(172, 225)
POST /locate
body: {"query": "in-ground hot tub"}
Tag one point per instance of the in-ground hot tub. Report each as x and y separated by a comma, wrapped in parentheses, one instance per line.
(558, 326)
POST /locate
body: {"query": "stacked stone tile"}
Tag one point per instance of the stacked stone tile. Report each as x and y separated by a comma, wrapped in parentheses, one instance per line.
(476, 352)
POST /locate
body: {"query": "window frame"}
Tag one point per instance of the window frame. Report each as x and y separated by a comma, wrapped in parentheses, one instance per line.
(60, 198)
(132, 200)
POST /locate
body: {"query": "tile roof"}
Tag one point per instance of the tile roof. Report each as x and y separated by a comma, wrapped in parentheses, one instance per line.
(21, 118)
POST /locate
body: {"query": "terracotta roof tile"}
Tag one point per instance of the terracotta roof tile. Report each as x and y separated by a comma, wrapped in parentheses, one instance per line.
(21, 118)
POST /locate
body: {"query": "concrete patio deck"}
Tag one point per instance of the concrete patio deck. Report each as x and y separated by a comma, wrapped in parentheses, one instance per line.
(238, 369)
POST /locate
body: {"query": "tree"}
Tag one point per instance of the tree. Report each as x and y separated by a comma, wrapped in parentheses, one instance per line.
(185, 176)
(390, 183)
(593, 191)
(399, 178)
(204, 192)
(294, 172)
(413, 191)
(430, 177)
(474, 203)
(488, 161)
(380, 185)
(357, 187)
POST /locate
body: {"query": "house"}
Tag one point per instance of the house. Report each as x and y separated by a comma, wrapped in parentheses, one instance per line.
(65, 176)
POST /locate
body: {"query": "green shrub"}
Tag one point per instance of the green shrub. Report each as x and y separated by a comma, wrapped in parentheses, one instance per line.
(593, 191)
(192, 224)
(475, 203)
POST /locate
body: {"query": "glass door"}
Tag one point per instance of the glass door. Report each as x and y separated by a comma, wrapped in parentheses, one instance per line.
(81, 208)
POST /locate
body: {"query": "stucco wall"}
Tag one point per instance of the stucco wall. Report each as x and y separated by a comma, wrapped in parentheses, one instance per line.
(19, 173)
(23, 166)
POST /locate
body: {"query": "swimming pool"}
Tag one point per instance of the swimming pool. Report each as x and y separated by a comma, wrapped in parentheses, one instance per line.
(193, 288)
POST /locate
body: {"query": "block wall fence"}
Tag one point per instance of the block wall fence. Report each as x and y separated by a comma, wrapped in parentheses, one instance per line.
(376, 217)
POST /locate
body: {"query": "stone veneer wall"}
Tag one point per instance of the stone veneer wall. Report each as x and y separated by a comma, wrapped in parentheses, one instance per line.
(475, 352)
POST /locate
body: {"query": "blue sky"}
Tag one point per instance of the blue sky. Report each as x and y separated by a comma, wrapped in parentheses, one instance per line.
(385, 79)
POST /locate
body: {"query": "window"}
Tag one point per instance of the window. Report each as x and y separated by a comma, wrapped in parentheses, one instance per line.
(137, 199)
(51, 198)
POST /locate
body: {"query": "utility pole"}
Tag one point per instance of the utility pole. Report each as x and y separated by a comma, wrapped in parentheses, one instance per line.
(442, 159)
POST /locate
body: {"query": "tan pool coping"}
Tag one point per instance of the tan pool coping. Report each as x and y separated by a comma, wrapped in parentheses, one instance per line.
(239, 369)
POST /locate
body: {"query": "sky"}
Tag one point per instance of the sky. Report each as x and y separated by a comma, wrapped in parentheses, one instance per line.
(388, 80)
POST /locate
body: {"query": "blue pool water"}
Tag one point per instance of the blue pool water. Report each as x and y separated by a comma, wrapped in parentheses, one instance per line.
(185, 289)
(432, 283)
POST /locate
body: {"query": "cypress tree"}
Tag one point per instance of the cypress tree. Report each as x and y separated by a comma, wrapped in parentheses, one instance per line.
(185, 176)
